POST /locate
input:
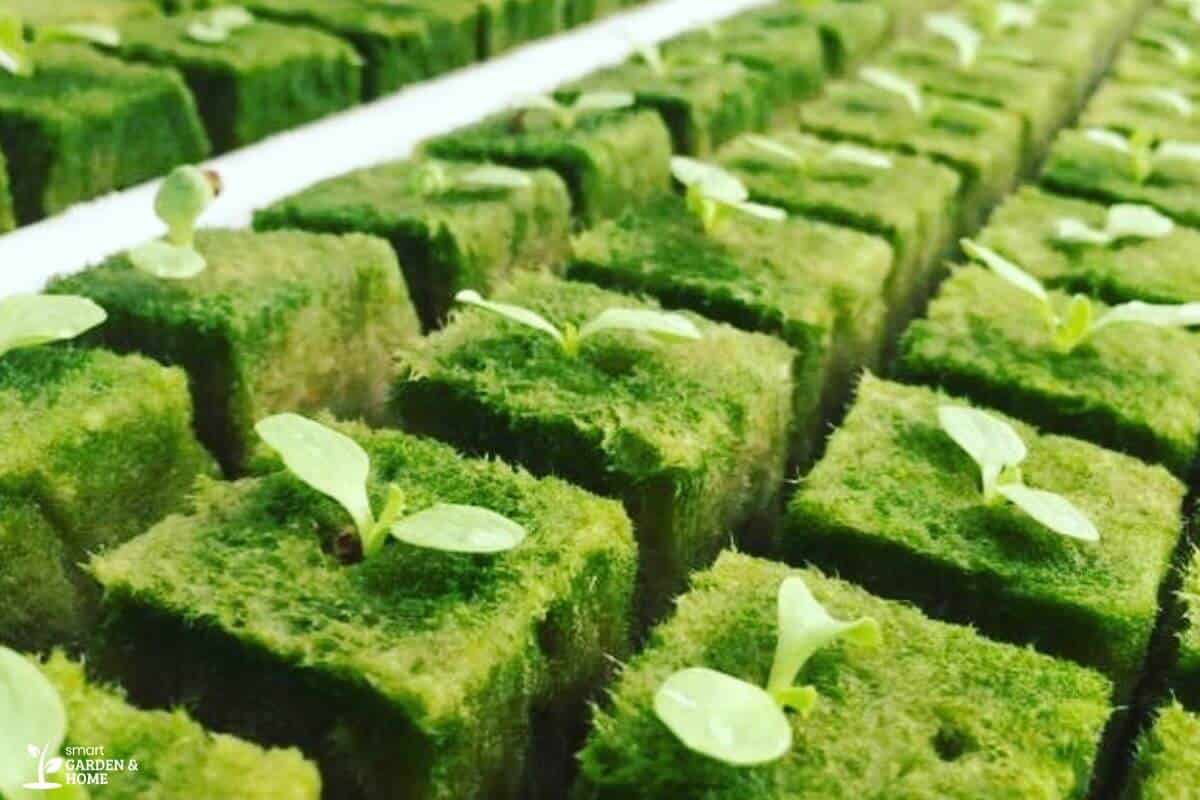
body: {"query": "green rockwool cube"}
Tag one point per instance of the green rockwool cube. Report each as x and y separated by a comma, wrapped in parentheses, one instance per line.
(1168, 758)
(1162, 270)
(284, 321)
(818, 287)
(692, 435)
(581, 12)
(1186, 676)
(1085, 168)
(41, 13)
(985, 145)
(448, 238)
(401, 42)
(936, 711)
(85, 123)
(174, 756)
(913, 204)
(704, 104)
(510, 23)
(1133, 107)
(417, 673)
(97, 448)
(1135, 389)
(608, 160)
(262, 79)
(896, 506)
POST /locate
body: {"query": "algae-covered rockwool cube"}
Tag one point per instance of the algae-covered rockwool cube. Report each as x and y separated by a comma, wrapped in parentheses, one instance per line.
(450, 227)
(282, 321)
(1165, 111)
(691, 434)
(704, 102)
(1132, 388)
(608, 160)
(1167, 764)
(261, 79)
(1165, 269)
(401, 42)
(1185, 678)
(97, 448)
(908, 200)
(43, 13)
(934, 711)
(896, 506)
(85, 123)
(848, 31)
(984, 145)
(415, 673)
(818, 287)
(1089, 164)
(125, 753)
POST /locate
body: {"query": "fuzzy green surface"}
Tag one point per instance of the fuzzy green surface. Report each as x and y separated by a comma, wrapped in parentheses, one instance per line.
(85, 124)
(1144, 60)
(175, 756)
(607, 160)
(819, 288)
(896, 506)
(263, 79)
(914, 205)
(1163, 270)
(281, 321)
(1081, 167)
(402, 43)
(1132, 388)
(936, 712)
(1127, 108)
(703, 104)
(103, 445)
(1186, 677)
(463, 237)
(8, 215)
(984, 145)
(507, 23)
(1168, 758)
(692, 435)
(41, 13)
(417, 673)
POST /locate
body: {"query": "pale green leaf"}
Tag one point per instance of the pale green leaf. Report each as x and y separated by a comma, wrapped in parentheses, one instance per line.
(1109, 139)
(1076, 324)
(1005, 269)
(863, 156)
(888, 81)
(776, 148)
(539, 102)
(991, 442)
(1179, 50)
(207, 33)
(712, 181)
(652, 56)
(1011, 16)
(33, 721)
(328, 461)
(95, 33)
(768, 213)
(523, 316)
(1052, 511)
(230, 17)
(1075, 231)
(1186, 315)
(1172, 150)
(659, 323)
(168, 261)
(497, 177)
(183, 196)
(14, 53)
(1173, 99)
(459, 529)
(33, 319)
(603, 101)
(723, 718)
(1129, 221)
(965, 38)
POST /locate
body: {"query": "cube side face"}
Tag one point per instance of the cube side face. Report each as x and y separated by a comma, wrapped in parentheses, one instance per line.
(984, 338)
(86, 124)
(8, 213)
(515, 634)
(1185, 680)
(922, 508)
(1166, 763)
(984, 719)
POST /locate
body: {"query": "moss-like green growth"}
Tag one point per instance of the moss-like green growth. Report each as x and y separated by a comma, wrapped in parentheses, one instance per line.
(819, 288)
(936, 712)
(913, 204)
(8, 215)
(263, 79)
(416, 673)
(452, 236)
(691, 435)
(284, 321)
(1162, 270)
(984, 145)
(84, 124)
(1130, 388)
(704, 103)
(1168, 758)
(608, 160)
(401, 42)
(1084, 168)
(1186, 676)
(896, 506)
(1131, 107)
(41, 13)
(165, 754)
(97, 449)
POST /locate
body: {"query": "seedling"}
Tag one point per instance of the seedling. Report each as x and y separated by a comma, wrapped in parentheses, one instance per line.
(14, 52)
(1080, 321)
(1012, 16)
(712, 193)
(33, 727)
(185, 194)
(570, 338)
(89, 32)
(1144, 155)
(1179, 50)
(965, 38)
(1173, 99)
(731, 720)
(998, 450)
(434, 178)
(567, 115)
(31, 320)
(806, 162)
(217, 25)
(335, 465)
(1125, 221)
(892, 82)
